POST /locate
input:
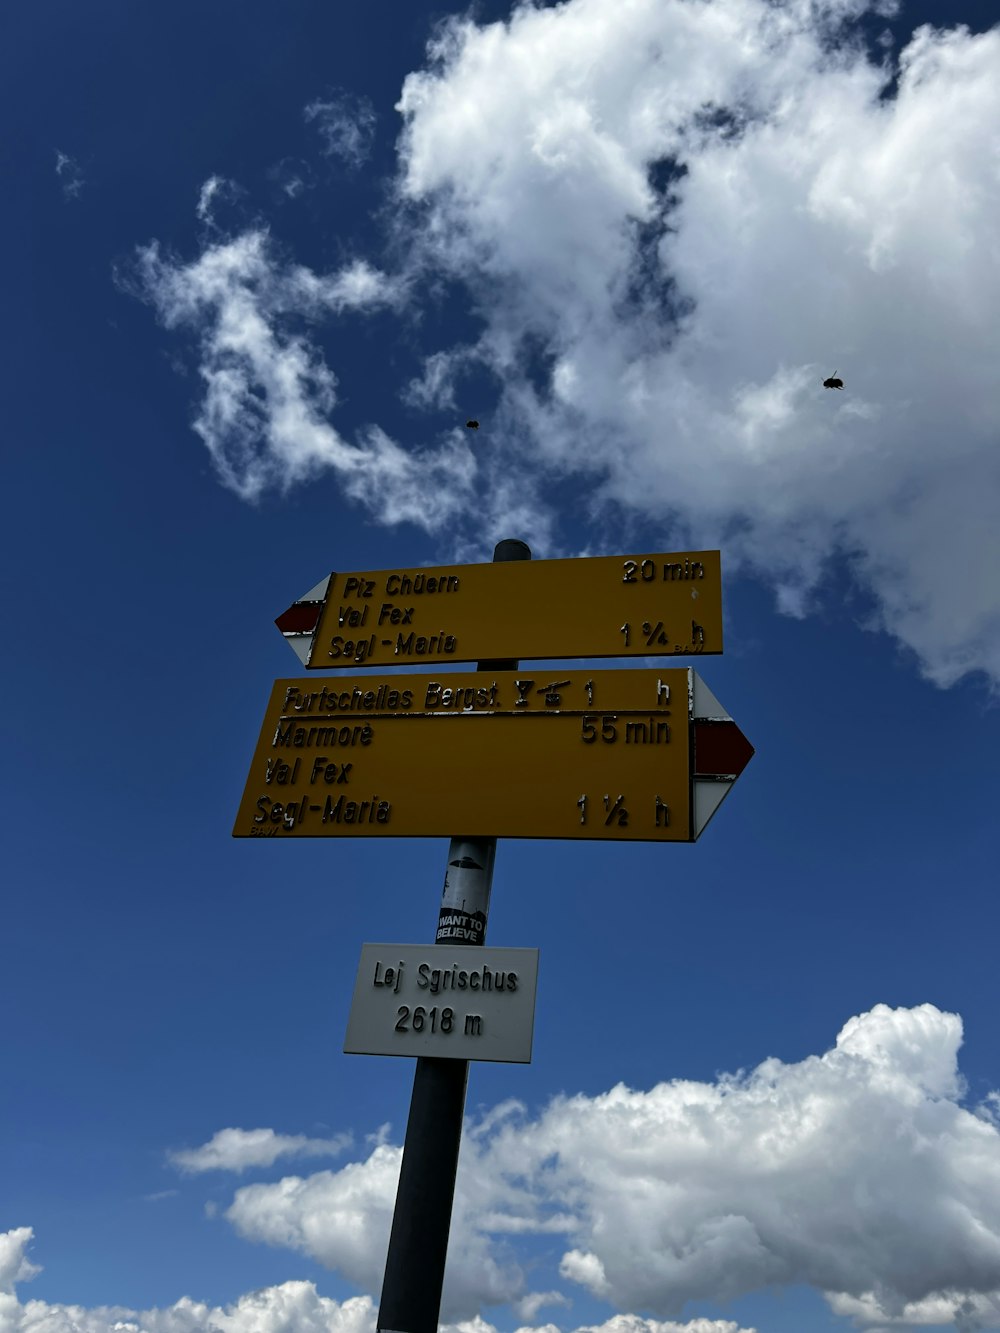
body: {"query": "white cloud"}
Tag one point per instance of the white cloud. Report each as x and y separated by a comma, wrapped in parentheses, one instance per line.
(268, 391)
(14, 1263)
(380, 1135)
(216, 190)
(292, 1307)
(587, 1270)
(634, 1324)
(435, 387)
(205, 197)
(238, 1149)
(342, 1219)
(528, 1306)
(70, 174)
(967, 1314)
(817, 229)
(616, 1324)
(856, 1172)
(345, 124)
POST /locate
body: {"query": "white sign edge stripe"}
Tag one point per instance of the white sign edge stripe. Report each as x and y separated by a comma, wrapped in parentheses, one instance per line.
(708, 795)
(301, 646)
(705, 706)
(317, 594)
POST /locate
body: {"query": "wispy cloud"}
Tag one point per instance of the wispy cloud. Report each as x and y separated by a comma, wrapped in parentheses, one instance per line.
(70, 175)
(291, 177)
(269, 395)
(239, 1149)
(216, 190)
(346, 126)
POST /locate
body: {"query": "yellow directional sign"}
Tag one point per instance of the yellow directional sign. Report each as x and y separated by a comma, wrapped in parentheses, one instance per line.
(609, 606)
(625, 755)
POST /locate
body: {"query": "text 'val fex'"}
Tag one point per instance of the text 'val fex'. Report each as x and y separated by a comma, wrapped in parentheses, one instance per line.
(617, 754)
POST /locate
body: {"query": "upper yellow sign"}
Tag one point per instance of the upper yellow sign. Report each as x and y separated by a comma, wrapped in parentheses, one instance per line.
(611, 606)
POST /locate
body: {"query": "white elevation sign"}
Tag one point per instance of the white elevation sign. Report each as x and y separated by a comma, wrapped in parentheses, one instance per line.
(463, 1002)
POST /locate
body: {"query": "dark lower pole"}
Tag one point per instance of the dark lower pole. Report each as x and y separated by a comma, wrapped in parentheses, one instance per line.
(418, 1242)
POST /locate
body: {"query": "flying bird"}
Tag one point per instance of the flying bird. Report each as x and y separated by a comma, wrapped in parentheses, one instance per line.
(833, 383)
(472, 425)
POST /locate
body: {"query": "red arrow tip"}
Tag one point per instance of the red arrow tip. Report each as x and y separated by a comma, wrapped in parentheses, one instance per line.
(720, 748)
(300, 618)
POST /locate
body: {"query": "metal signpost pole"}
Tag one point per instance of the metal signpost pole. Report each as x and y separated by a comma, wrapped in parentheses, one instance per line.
(623, 755)
(418, 1243)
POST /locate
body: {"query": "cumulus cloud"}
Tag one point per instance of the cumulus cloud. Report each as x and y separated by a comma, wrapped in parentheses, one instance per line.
(856, 1172)
(341, 1218)
(967, 1314)
(633, 1324)
(14, 1263)
(70, 175)
(238, 1149)
(696, 213)
(291, 1307)
(528, 1306)
(346, 126)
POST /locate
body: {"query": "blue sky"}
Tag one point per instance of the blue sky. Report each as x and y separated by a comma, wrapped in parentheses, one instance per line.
(263, 262)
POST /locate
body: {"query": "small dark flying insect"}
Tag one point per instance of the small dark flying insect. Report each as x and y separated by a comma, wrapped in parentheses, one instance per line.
(833, 383)
(472, 425)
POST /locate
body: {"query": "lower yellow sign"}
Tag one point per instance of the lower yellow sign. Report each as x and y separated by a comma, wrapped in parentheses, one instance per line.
(513, 754)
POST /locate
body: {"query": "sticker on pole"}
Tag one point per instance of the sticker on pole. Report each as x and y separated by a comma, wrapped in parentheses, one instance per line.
(448, 1001)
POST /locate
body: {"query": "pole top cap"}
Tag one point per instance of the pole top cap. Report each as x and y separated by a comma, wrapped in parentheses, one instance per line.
(511, 549)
